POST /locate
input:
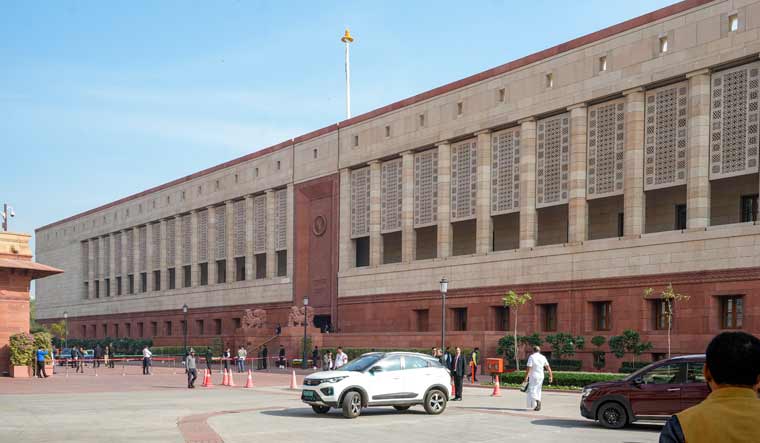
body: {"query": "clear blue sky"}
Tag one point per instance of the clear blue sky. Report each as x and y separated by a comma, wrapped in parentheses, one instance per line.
(99, 100)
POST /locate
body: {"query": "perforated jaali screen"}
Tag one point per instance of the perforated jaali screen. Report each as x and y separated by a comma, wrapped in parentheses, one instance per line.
(281, 220)
(505, 171)
(171, 242)
(202, 236)
(187, 239)
(220, 232)
(85, 260)
(260, 224)
(238, 215)
(107, 255)
(143, 245)
(734, 128)
(96, 257)
(118, 250)
(360, 202)
(666, 136)
(130, 251)
(464, 179)
(606, 142)
(553, 160)
(156, 245)
(391, 191)
(426, 188)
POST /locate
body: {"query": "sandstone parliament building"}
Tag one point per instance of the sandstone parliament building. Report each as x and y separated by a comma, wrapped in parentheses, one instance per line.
(623, 159)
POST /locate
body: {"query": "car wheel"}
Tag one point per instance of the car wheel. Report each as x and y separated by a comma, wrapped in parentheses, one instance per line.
(435, 401)
(320, 409)
(352, 405)
(612, 415)
(401, 407)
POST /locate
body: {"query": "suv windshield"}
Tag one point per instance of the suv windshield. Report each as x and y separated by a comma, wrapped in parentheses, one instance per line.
(361, 364)
(640, 372)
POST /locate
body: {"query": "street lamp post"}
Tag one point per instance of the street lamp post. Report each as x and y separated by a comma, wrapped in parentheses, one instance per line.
(184, 311)
(305, 318)
(65, 329)
(444, 288)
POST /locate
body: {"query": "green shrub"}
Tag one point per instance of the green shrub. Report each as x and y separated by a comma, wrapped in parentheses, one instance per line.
(564, 379)
(122, 346)
(43, 339)
(169, 351)
(557, 365)
(22, 349)
(629, 367)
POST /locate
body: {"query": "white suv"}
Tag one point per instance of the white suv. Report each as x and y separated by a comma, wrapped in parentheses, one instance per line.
(398, 379)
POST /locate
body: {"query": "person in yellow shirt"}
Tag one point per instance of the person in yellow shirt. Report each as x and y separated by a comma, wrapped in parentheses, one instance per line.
(730, 413)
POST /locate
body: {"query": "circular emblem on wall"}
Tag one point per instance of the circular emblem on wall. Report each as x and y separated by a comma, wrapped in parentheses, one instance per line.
(319, 226)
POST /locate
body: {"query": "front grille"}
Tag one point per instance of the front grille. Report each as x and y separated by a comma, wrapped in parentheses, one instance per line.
(311, 382)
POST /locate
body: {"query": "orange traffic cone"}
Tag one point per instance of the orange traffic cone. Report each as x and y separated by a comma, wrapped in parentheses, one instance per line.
(210, 381)
(231, 380)
(249, 382)
(293, 382)
(225, 378)
(453, 389)
(205, 378)
(496, 389)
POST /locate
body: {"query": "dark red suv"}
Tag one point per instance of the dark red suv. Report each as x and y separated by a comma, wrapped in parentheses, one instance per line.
(654, 392)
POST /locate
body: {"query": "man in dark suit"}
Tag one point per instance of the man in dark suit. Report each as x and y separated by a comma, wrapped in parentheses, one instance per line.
(458, 370)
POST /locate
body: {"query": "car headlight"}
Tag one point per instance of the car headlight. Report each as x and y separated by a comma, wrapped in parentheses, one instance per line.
(587, 392)
(333, 379)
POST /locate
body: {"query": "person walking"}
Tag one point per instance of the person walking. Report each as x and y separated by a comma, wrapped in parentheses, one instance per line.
(458, 370)
(315, 357)
(341, 359)
(226, 359)
(327, 361)
(474, 358)
(242, 354)
(535, 377)
(106, 356)
(112, 349)
(146, 360)
(80, 359)
(729, 414)
(192, 370)
(98, 355)
(209, 358)
(41, 354)
(264, 357)
(281, 359)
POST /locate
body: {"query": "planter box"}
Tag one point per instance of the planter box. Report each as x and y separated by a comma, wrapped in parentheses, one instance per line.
(21, 371)
(49, 369)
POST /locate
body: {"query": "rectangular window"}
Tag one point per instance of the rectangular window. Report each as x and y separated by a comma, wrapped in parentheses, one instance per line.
(549, 317)
(105, 330)
(107, 283)
(84, 331)
(315, 153)
(502, 95)
(550, 80)
(156, 280)
(663, 45)
(203, 269)
(421, 118)
(500, 316)
(187, 276)
(460, 108)
(128, 329)
(97, 288)
(172, 278)
(236, 322)
(116, 330)
(362, 252)
(356, 141)
(168, 328)
(199, 329)
(140, 330)
(602, 63)
(602, 314)
(221, 271)
(239, 268)
(731, 312)
(620, 224)
(460, 319)
(659, 315)
(282, 263)
(118, 285)
(387, 131)
(143, 282)
(261, 266)
(733, 23)
(680, 217)
(131, 284)
(421, 319)
(749, 208)
(218, 326)
(153, 328)
(86, 290)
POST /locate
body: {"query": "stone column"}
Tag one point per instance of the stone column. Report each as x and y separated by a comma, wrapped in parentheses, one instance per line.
(484, 224)
(375, 202)
(162, 257)
(698, 157)
(123, 270)
(271, 255)
(408, 236)
(230, 231)
(528, 222)
(135, 260)
(289, 240)
(149, 255)
(345, 245)
(444, 199)
(577, 229)
(91, 269)
(195, 274)
(179, 277)
(211, 238)
(634, 199)
(249, 258)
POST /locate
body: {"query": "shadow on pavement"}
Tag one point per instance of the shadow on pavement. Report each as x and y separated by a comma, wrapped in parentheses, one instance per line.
(587, 424)
(337, 413)
(483, 408)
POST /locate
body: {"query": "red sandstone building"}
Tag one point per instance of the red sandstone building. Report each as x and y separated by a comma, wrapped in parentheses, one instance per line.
(583, 174)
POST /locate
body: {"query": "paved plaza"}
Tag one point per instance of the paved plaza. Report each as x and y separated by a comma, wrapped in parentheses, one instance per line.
(158, 408)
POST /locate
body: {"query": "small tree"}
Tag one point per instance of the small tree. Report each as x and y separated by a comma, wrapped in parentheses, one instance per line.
(58, 329)
(564, 344)
(508, 349)
(514, 301)
(669, 298)
(599, 355)
(629, 341)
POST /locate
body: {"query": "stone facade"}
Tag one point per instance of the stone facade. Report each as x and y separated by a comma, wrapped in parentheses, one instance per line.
(605, 143)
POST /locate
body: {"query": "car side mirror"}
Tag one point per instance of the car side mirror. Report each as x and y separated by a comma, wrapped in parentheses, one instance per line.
(375, 369)
(638, 381)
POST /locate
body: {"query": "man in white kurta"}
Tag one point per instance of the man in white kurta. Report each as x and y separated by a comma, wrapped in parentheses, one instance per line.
(535, 377)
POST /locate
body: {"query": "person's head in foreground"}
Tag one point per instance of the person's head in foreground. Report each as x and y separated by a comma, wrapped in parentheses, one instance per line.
(733, 360)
